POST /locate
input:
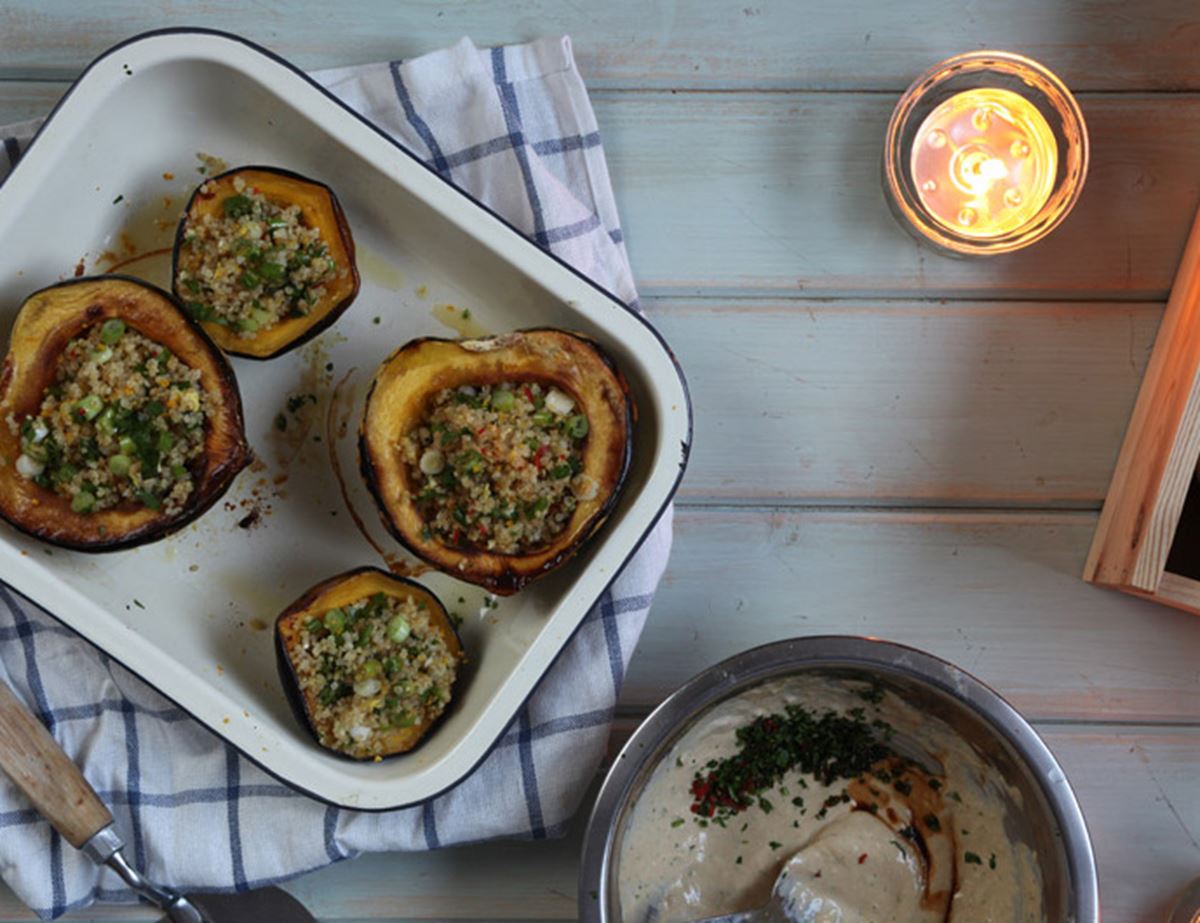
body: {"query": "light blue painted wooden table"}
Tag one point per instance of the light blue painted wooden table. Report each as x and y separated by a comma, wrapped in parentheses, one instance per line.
(887, 442)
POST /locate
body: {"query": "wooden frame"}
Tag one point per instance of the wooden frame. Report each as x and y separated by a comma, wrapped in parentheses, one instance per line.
(1158, 459)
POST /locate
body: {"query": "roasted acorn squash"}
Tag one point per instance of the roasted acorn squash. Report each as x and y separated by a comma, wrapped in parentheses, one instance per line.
(399, 400)
(319, 209)
(47, 321)
(313, 611)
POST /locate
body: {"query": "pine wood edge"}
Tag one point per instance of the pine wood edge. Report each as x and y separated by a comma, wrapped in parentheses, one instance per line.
(1161, 447)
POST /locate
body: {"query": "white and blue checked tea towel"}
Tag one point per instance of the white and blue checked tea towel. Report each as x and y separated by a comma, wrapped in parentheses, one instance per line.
(514, 127)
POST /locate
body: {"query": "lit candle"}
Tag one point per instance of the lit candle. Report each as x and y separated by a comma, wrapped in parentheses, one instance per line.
(984, 162)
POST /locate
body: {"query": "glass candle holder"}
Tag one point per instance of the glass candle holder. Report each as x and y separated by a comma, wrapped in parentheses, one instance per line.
(986, 153)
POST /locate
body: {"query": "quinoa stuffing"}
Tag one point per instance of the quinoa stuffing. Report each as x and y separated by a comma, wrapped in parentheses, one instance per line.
(122, 422)
(254, 264)
(498, 467)
(378, 664)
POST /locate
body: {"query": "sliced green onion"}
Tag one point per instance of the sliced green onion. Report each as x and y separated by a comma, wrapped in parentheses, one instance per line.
(112, 330)
(576, 426)
(165, 441)
(179, 471)
(83, 502)
(543, 418)
(370, 669)
(560, 471)
(398, 629)
(335, 621)
(403, 720)
(127, 446)
(273, 272)
(102, 355)
(119, 464)
(314, 626)
(90, 406)
(249, 279)
(503, 400)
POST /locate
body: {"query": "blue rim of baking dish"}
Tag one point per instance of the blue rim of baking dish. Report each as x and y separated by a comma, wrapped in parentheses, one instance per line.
(685, 445)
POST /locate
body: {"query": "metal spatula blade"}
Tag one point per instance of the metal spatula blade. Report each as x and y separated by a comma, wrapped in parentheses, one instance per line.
(59, 792)
(264, 905)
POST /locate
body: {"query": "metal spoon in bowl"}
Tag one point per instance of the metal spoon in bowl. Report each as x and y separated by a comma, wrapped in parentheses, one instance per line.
(57, 789)
(823, 881)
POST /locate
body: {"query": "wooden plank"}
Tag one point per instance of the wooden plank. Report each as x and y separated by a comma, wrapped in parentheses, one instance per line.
(780, 192)
(999, 594)
(1158, 457)
(1136, 786)
(899, 402)
(772, 44)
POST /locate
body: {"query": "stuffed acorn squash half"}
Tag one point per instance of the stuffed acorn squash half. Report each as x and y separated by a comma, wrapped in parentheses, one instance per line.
(496, 459)
(368, 661)
(120, 420)
(264, 259)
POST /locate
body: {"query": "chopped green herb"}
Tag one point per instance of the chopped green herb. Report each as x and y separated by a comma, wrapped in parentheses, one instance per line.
(238, 206)
(280, 422)
(972, 858)
(677, 822)
(932, 822)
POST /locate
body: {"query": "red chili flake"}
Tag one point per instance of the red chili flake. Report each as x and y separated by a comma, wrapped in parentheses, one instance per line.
(862, 858)
(537, 456)
(528, 394)
(457, 537)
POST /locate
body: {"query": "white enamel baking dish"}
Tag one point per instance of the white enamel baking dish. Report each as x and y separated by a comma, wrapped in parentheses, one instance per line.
(192, 614)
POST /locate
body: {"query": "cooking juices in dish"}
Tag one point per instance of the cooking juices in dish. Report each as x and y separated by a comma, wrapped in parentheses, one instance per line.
(369, 661)
(119, 419)
(496, 459)
(264, 259)
(826, 772)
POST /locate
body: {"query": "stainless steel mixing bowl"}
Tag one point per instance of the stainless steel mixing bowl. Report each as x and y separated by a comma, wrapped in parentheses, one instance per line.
(1050, 821)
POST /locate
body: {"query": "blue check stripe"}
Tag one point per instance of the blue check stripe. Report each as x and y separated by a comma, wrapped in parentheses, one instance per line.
(332, 850)
(512, 119)
(533, 801)
(429, 825)
(133, 781)
(567, 144)
(479, 151)
(419, 125)
(233, 772)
